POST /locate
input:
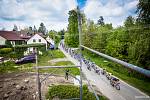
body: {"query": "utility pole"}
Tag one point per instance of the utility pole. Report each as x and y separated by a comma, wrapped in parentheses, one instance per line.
(79, 29)
(38, 79)
(54, 41)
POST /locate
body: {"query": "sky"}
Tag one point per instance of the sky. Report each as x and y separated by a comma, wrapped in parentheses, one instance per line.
(54, 13)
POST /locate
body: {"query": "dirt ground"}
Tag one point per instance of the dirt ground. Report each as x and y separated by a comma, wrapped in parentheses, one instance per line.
(22, 86)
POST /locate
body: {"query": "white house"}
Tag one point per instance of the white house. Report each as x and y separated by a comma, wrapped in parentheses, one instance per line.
(35, 39)
(2, 40)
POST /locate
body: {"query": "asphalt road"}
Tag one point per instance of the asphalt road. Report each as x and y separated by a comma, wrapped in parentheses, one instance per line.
(126, 91)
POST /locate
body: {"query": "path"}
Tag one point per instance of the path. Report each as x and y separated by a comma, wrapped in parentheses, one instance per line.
(53, 61)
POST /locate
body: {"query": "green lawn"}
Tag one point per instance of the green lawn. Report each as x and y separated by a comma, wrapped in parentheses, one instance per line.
(139, 81)
(43, 60)
(74, 71)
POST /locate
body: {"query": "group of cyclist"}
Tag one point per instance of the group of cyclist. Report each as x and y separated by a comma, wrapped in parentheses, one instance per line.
(91, 65)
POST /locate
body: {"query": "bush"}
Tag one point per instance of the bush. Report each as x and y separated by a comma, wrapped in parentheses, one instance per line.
(68, 92)
(5, 50)
(8, 44)
(8, 67)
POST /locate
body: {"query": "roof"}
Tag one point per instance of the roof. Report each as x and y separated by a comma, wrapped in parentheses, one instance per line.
(24, 36)
(41, 34)
(10, 35)
(34, 36)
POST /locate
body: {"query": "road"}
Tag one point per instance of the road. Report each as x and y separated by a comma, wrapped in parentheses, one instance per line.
(127, 92)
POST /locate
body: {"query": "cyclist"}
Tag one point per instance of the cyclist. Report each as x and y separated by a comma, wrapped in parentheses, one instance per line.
(66, 73)
(114, 80)
(104, 71)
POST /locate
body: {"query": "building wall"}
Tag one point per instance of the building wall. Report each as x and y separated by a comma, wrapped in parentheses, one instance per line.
(2, 41)
(36, 39)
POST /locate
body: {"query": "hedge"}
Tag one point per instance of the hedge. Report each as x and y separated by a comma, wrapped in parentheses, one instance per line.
(69, 92)
(5, 50)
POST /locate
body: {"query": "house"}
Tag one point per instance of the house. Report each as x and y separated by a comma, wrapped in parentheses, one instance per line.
(51, 42)
(10, 36)
(36, 39)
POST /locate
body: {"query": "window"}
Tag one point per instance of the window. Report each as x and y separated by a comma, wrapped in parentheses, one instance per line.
(39, 40)
(34, 40)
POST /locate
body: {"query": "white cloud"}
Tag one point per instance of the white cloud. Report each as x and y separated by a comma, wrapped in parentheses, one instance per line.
(112, 11)
(131, 4)
(54, 13)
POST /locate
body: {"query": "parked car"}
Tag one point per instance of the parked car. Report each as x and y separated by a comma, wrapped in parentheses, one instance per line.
(26, 59)
(51, 47)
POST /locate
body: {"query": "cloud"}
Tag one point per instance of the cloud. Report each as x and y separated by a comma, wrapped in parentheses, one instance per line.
(113, 11)
(131, 5)
(54, 13)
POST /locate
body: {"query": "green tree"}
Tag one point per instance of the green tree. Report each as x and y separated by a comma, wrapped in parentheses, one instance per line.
(100, 21)
(100, 38)
(117, 44)
(61, 33)
(129, 22)
(8, 44)
(89, 34)
(143, 10)
(42, 28)
(30, 30)
(56, 36)
(34, 29)
(3, 29)
(139, 47)
(72, 38)
(15, 28)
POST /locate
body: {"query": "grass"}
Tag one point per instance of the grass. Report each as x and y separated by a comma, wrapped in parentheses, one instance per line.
(69, 92)
(134, 79)
(74, 71)
(8, 67)
(51, 54)
(42, 61)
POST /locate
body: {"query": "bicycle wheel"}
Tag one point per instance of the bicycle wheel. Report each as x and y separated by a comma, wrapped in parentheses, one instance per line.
(117, 87)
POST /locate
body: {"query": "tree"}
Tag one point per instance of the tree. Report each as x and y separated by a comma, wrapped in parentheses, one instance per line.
(143, 10)
(62, 33)
(100, 38)
(34, 29)
(42, 28)
(30, 30)
(89, 34)
(8, 44)
(15, 28)
(72, 38)
(117, 43)
(3, 29)
(100, 21)
(129, 22)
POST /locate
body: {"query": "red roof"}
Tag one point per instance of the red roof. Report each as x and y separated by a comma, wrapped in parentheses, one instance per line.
(10, 35)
